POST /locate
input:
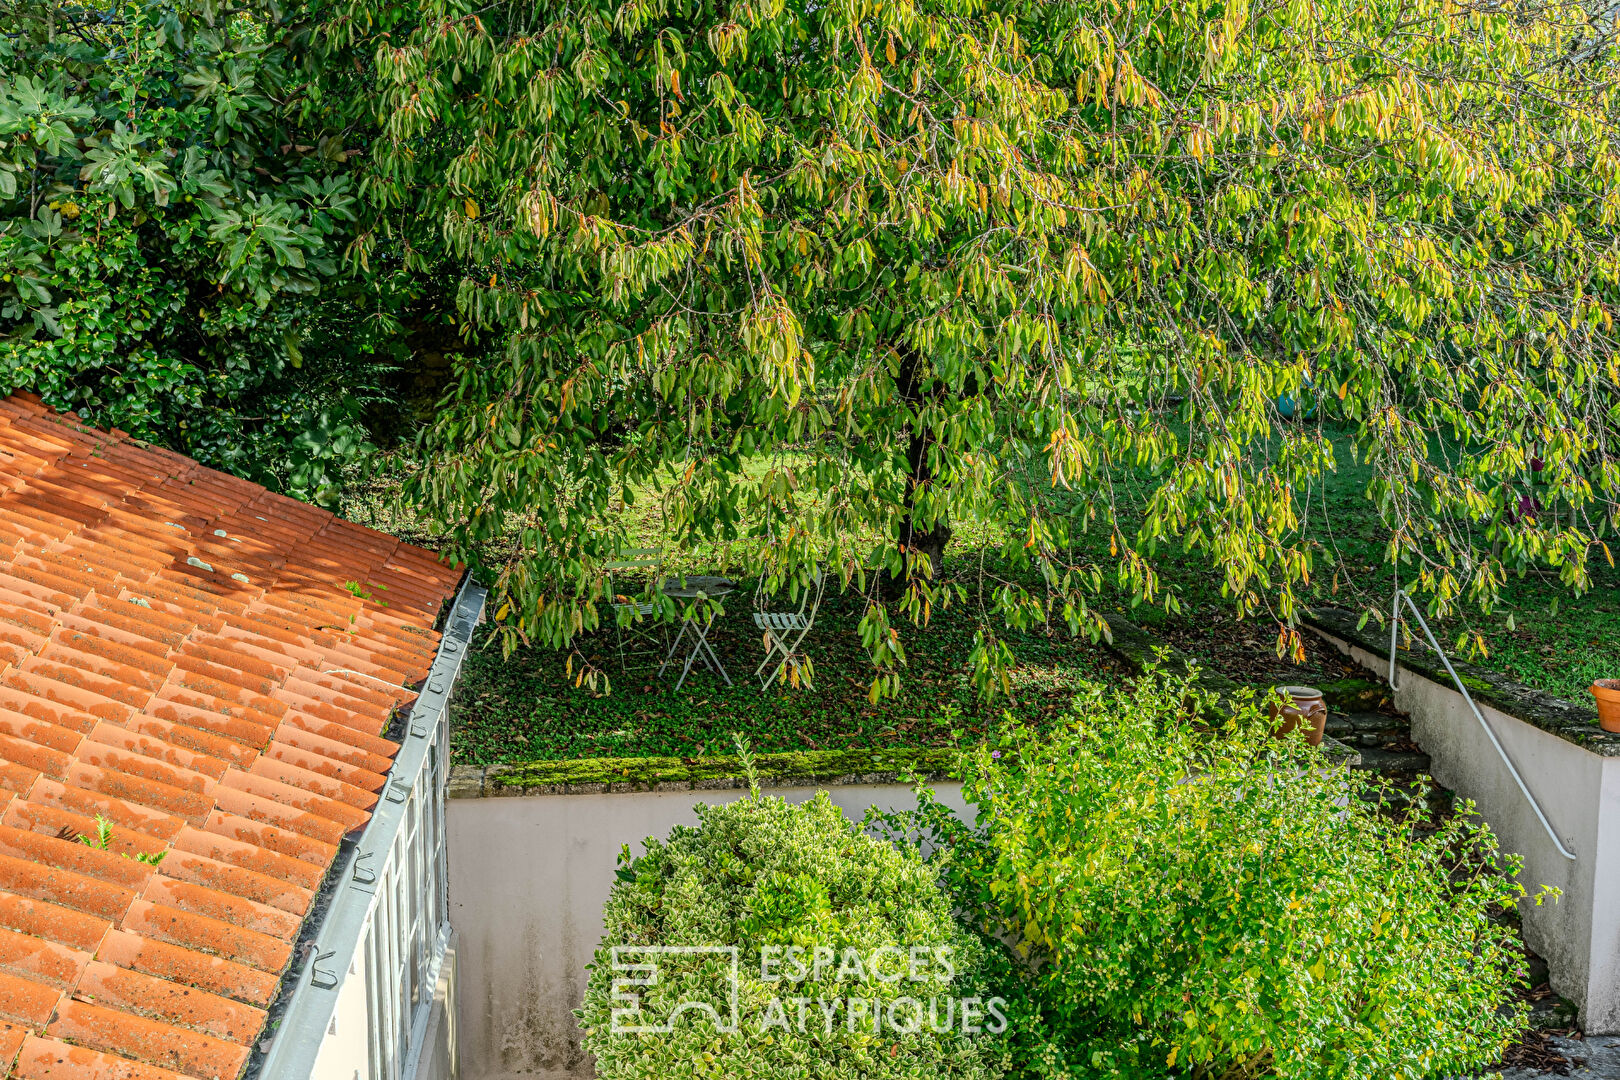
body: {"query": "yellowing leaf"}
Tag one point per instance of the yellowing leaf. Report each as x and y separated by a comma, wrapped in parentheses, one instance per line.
(471, 208)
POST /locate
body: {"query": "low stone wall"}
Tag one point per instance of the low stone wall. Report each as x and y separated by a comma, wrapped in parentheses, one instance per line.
(1570, 765)
(531, 861)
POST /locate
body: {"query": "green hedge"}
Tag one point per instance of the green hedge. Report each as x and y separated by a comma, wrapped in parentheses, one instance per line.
(899, 992)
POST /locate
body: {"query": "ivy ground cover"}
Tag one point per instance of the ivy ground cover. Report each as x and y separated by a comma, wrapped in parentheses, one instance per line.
(526, 706)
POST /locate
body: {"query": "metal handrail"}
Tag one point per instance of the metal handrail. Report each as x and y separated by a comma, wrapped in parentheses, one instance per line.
(1394, 626)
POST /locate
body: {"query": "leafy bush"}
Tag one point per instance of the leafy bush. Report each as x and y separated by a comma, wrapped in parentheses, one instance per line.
(769, 877)
(1224, 905)
(170, 236)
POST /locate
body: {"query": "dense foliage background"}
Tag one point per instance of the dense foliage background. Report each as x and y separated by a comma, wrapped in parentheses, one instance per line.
(847, 283)
(845, 277)
(171, 237)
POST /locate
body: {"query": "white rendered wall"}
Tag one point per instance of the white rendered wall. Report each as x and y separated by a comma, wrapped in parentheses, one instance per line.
(1579, 792)
(345, 1051)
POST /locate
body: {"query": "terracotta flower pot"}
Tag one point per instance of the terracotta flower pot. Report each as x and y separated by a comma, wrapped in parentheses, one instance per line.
(1607, 692)
(1308, 708)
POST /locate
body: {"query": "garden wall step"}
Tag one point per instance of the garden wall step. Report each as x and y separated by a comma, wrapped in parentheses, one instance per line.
(1355, 724)
(1377, 759)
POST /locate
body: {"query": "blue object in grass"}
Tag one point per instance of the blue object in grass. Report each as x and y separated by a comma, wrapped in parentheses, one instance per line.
(1288, 405)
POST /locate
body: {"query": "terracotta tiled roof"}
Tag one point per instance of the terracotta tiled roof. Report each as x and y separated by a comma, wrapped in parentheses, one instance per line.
(182, 655)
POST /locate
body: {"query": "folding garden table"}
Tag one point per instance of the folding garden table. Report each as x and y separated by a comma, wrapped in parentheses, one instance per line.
(695, 626)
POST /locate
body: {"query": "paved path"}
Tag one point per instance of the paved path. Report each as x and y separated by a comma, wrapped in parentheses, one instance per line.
(1595, 1058)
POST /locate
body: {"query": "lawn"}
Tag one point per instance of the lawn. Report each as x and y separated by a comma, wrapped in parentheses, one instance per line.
(528, 706)
(1541, 634)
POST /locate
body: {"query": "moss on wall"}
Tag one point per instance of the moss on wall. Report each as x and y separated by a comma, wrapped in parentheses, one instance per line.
(652, 771)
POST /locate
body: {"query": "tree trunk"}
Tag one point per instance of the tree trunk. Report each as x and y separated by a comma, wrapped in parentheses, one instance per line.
(912, 538)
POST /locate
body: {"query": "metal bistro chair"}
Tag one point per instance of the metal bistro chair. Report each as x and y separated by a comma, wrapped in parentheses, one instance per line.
(785, 630)
(636, 638)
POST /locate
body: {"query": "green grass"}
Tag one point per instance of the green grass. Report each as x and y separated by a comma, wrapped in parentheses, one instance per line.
(1557, 642)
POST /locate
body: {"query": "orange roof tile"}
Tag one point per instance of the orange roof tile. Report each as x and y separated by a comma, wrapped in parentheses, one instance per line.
(52, 1059)
(11, 1041)
(153, 1041)
(181, 653)
(40, 960)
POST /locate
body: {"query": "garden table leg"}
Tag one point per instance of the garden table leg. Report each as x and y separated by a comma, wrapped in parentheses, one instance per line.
(710, 658)
(674, 647)
(701, 650)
